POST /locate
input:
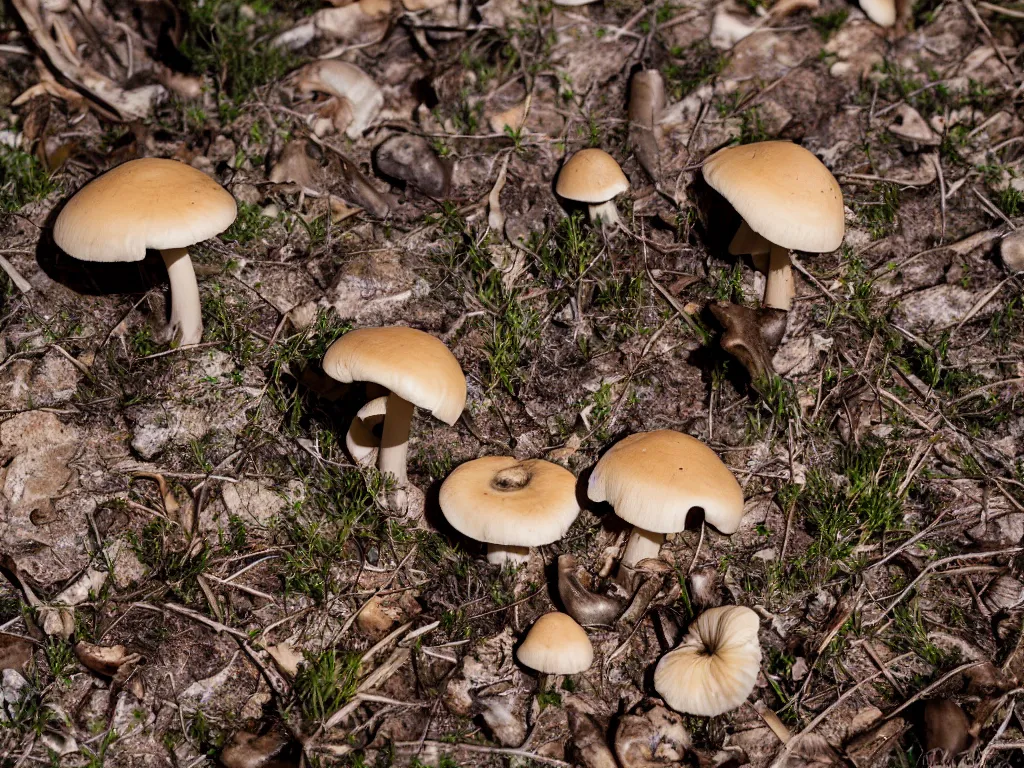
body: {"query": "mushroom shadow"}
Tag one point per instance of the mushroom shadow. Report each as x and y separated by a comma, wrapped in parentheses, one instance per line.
(95, 278)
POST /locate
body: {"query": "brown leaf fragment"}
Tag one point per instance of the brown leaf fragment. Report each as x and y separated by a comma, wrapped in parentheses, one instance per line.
(646, 102)
(410, 159)
(247, 750)
(588, 608)
(294, 166)
(872, 747)
(15, 652)
(749, 335)
(357, 189)
(104, 660)
(589, 741)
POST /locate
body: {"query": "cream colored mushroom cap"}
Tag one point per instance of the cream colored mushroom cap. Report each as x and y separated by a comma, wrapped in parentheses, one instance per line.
(556, 645)
(148, 203)
(412, 364)
(715, 667)
(591, 176)
(501, 500)
(783, 192)
(882, 12)
(654, 479)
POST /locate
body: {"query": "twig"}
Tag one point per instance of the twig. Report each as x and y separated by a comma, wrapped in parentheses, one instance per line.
(416, 746)
(928, 689)
(20, 282)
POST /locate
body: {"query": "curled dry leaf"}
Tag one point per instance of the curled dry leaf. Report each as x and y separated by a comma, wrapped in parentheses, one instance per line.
(1003, 594)
(286, 658)
(507, 729)
(945, 729)
(357, 188)
(646, 102)
(51, 33)
(873, 746)
(705, 587)
(910, 126)
(350, 84)
(589, 741)
(104, 660)
(586, 607)
(411, 160)
(652, 738)
(247, 750)
(361, 22)
(295, 166)
(15, 652)
(727, 30)
(750, 335)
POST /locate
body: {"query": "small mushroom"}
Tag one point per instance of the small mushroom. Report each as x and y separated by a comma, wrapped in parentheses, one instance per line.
(363, 438)
(586, 607)
(150, 203)
(715, 667)
(654, 480)
(785, 194)
(510, 505)
(881, 12)
(348, 83)
(418, 369)
(556, 645)
(945, 729)
(592, 176)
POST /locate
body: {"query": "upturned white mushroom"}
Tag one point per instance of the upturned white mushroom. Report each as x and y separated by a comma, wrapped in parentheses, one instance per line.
(348, 83)
(715, 667)
(363, 438)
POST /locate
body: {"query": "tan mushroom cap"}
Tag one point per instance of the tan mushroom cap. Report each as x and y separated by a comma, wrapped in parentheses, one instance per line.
(715, 667)
(148, 203)
(556, 645)
(783, 192)
(591, 176)
(414, 365)
(501, 500)
(881, 12)
(653, 480)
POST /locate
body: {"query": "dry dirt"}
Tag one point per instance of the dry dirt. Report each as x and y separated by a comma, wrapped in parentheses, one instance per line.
(882, 470)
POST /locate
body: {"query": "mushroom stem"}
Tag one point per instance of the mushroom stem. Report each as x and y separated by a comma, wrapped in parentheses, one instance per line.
(186, 314)
(394, 441)
(641, 545)
(498, 554)
(607, 213)
(778, 291)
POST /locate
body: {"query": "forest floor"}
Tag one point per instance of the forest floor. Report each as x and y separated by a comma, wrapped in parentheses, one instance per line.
(194, 510)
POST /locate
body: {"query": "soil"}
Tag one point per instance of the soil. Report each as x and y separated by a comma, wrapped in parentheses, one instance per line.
(195, 572)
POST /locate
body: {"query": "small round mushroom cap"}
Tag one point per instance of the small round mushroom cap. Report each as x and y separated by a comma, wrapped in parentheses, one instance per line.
(501, 500)
(147, 203)
(591, 176)
(414, 365)
(556, 645)
(654, 479)
(783, 192)
(715, 667)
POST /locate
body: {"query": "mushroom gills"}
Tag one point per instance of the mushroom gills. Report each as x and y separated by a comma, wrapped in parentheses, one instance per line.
(186, 323)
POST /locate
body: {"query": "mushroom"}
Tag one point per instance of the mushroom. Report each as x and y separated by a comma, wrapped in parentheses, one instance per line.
(150, 203)
(418, 369)
(584, 606)
(556, 645)
(592, 176)
(348, 83)
(882, 12)
(785, 195)
(654, 480)
(714, 669)
(511, 505)
(363, 438)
